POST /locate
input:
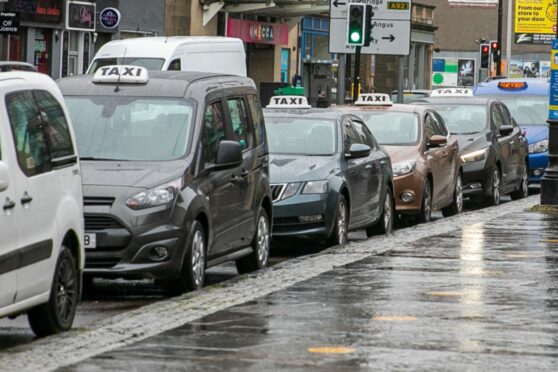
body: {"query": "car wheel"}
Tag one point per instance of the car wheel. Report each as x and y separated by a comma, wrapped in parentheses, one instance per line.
(457, 204)
(341, 222)
(385, 223)
(261, 245)
(523, 189)
(425, 214)
(57, 315)
(493, 198)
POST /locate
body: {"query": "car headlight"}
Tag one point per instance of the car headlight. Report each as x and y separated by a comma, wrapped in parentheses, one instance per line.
(315, 187)
(159, 195)
(404, 167)
(538, 147)
(475, 156)
(290, 190)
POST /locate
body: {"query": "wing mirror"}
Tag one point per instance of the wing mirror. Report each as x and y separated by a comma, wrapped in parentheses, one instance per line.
(437, 141)
(229, 155)
(359, 150)
(4, 176)
(506, 130)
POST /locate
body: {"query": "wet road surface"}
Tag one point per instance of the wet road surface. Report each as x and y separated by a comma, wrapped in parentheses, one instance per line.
(484, 296)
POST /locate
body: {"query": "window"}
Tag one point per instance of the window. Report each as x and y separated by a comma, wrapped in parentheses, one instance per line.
(505, 115)
(56, 127)
(496, 117)
(350, 136)
(239, 122)
(213, 133)
(174, 65)
(28, 132)
(430, 127)
(257, 122)
(440, 126)
(364, 133)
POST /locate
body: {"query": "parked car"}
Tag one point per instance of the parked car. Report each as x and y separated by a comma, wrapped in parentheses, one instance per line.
(328, 173)
(493, 148)
(425, 159)
(175, 171)
(41, 220)
(527, 100)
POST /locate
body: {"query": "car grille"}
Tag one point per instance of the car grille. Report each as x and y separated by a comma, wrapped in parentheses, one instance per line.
(97, 201)
(276, 191)
(101, 262)
(93, 223)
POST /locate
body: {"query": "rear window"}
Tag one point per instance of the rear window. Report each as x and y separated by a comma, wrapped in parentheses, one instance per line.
(392, 128)
(463, 119)
(526, 109)
(301, 136)
(148, 63)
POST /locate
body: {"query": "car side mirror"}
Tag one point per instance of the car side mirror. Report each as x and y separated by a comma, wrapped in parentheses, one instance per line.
(506, 130)
(359, 150)
(437, 141)
(229, 155)
(4, 176)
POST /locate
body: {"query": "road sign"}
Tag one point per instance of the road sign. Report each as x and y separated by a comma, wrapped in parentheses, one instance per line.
(382, 9)
(553, 98)
(388, 37)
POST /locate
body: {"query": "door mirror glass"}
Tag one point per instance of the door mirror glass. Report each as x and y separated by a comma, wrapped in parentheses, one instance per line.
(506, 130)
(4, 176)
(229, 155)
(437, 141)
(359, 150)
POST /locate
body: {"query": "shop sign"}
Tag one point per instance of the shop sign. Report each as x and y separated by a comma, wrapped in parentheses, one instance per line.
(40, 11)
(475, 3)
(9, 22)
(80, 16)
(553, 96)
(109, 18)
(258, 32)
(533, 20)
(453, 72)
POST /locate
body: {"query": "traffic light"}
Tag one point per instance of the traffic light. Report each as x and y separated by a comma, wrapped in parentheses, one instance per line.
(368, 13)
(494, 50)
(484, 55)
(355, 24)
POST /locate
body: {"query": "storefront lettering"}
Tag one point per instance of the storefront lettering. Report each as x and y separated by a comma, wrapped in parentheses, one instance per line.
(261, 32)
(85, 16)
(48, 11)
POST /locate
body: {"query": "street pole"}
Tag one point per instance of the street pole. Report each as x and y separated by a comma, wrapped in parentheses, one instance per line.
(509, 37)
(549, 184)
(499, 55)
(401, 79)
(356, 75)
(341, 79)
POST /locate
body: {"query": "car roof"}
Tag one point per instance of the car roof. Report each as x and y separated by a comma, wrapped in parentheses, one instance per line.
(535, 86)
(455, 100)
(396, 107)
(29, 77)
(320, 113)
(160, 84)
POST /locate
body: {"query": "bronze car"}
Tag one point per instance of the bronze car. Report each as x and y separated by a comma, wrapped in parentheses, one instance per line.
(427, 172)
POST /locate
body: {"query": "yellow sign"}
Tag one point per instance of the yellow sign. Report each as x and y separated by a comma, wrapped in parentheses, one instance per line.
(397, 5)
(535, 16)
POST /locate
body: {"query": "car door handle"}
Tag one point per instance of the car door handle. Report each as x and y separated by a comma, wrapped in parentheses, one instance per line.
(26, 199)
(368, 166)
(512, 142)
(383, 162)
(244, 173)
(9, 204)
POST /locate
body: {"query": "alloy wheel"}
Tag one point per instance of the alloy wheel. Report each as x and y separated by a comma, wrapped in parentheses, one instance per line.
(496, 187)
(388, 213)
(66, 295)
(198, 257)
(459, 194)
(342, 224)
(263, 240)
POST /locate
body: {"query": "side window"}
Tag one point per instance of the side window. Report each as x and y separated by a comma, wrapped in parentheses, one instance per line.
(350, 135)
(440, 125)
(496, 117)
(506, 117)
(28, 132)
(430, 127)
(56, 126)
(257, 119)
(174, 65)
(239, 122)
(364, 133)
(213, 133)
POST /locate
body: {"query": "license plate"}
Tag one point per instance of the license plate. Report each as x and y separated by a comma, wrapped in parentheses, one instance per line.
(90, 241)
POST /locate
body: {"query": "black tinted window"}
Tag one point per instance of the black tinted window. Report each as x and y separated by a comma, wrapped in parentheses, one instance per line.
(174, 65)
(257, 120)
(350, 136)
(239, 122)
(28, 132)
(56, 126)
(213, 133)
(364, 133)
(496, 117)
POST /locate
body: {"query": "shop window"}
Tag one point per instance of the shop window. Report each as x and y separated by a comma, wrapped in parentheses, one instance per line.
(41, 50)
(316, 23)
(325, 25)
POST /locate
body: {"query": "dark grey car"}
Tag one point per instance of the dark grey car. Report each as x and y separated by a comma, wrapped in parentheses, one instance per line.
(175, 174)
(328, 175)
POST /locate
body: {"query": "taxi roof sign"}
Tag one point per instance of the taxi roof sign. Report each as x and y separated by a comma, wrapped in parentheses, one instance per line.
(374, 99)
(452, 92)
(121, 74)
(294, 102)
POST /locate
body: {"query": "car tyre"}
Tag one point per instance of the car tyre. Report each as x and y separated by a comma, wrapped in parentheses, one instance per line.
(457, 204)
(340, 223)
(523, 189)
(386, 221)
(57, 315)
(425, 214)
(493, 199)
(261, 245)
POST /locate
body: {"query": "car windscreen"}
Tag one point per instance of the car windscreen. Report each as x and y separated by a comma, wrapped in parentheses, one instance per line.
(392, 128)
(463, 119)
(131, 128)
(526, 109)
(410, 96)
(300, 136)
(148, 63)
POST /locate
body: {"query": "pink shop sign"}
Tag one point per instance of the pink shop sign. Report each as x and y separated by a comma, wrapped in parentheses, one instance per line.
(258, 32)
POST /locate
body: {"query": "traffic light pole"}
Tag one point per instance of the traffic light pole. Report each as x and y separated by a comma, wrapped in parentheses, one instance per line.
(499, 55)
(356, 76)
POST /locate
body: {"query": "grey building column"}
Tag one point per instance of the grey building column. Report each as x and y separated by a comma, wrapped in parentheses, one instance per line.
(30, 46)
(421, 66)
(411, 67)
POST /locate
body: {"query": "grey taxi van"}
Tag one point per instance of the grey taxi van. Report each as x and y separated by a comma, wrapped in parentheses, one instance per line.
(175, 172)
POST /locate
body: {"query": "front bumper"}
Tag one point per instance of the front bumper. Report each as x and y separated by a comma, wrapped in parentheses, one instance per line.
(476, 178)
(287, 213)
(412, 185)
(537, 164)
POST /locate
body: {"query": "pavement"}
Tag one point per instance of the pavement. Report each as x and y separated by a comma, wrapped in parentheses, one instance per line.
(472, 292)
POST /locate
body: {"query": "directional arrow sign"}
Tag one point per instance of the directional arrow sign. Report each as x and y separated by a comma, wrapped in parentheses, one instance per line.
(388, 37)
(383, 9)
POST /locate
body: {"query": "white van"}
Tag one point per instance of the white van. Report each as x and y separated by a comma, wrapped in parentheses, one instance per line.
(41, 203)
(224, 55)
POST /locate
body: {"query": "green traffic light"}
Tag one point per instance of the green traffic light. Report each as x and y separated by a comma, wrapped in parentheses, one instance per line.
(355, 37)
